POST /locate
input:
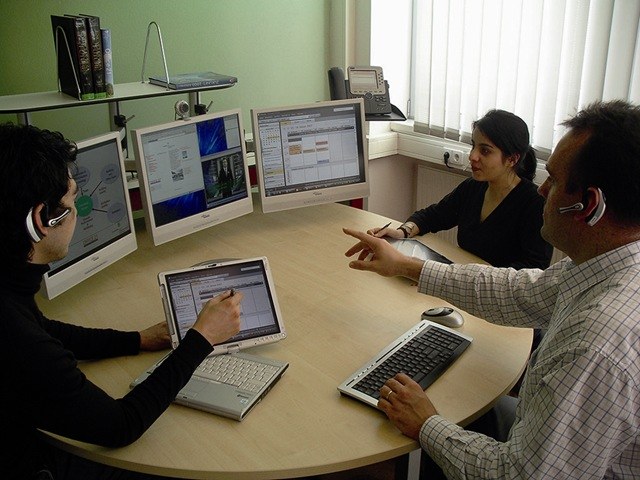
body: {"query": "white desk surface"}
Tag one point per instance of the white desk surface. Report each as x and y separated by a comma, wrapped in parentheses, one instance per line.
(337, 319)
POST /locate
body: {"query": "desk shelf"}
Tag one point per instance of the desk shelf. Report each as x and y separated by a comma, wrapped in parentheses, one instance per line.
(23, 104)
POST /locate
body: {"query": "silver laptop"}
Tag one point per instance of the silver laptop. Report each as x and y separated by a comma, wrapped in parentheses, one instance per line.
(230, 382)
(423, 352)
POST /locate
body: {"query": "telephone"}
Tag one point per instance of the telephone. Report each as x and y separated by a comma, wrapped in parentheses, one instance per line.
(364, 82)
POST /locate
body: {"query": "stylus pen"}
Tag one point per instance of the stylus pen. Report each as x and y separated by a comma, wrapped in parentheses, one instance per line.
(382, 228)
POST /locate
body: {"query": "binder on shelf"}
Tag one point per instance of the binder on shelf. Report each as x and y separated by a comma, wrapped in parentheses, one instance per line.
(194, 80)
(95, 49)
(107, 57)
(73, 59)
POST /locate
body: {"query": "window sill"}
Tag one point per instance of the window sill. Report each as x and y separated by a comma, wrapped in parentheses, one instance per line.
(402, 140)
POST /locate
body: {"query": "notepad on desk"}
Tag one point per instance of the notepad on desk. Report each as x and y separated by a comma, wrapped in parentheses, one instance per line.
(417, 249)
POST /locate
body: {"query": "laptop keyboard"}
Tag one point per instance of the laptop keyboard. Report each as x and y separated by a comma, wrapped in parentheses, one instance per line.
(423, 358)
(239, 372)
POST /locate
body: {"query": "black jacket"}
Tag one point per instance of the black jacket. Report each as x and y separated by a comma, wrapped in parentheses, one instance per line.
(42, 387)
(508, 237)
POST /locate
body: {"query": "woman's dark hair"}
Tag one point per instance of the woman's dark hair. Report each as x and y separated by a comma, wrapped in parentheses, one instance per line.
(36, 164)
(510, 134)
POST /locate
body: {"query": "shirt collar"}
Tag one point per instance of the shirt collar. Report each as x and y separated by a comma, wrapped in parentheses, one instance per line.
(578, 278)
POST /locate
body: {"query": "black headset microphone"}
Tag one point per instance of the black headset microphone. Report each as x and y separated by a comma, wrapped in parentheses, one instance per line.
(579, 206)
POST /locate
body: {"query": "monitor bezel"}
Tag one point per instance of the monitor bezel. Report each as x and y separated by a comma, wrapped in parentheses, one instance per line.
(231, 344)
(290, 200)
(196, 222)
(91, 263)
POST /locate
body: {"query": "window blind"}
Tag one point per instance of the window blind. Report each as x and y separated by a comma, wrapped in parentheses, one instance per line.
(541, 59)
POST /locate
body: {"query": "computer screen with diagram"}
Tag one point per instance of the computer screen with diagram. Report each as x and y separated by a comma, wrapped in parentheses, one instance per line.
(104, 231)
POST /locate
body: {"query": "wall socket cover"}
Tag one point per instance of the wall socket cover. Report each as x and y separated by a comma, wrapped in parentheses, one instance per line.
(455, 157)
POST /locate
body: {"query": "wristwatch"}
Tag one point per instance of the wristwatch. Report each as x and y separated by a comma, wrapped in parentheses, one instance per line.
(407, 228)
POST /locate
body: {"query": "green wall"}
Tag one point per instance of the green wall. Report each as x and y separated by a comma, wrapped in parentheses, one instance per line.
(278, 49)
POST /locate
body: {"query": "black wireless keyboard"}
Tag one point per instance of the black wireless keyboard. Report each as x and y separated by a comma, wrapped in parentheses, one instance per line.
(423, 358)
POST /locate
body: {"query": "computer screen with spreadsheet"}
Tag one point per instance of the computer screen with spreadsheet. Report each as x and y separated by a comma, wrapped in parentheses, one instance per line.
(310, 154)
(186, 291)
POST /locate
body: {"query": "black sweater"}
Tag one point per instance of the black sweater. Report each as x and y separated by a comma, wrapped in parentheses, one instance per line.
(42, 387)
(508, 237)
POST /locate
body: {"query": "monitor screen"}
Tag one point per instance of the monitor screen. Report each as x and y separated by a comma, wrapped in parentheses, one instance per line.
(310, 154)
(104, 230)
(193, 174)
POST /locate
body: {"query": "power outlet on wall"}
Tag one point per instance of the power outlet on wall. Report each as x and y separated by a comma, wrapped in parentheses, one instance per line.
(455, 158)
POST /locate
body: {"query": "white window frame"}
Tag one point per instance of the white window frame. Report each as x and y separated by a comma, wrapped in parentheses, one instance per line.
(428, 147)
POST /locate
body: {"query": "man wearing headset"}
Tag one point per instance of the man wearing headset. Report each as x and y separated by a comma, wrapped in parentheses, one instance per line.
(41, 386)
(578, 412)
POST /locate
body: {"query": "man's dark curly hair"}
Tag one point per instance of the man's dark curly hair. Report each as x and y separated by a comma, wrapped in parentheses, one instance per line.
(36, 164)
(610, 156)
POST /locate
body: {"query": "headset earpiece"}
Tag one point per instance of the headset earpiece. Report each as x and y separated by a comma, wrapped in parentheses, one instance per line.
(32, 228)
(598, 212)
(44, 214)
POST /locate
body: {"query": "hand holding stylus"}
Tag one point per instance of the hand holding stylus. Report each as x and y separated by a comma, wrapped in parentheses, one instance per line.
(378, 232)
(219, 318)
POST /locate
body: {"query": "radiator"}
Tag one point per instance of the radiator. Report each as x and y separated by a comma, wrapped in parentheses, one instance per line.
(432, 185)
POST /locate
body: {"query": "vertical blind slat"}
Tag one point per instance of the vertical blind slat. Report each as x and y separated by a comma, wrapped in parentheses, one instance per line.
(543, 60)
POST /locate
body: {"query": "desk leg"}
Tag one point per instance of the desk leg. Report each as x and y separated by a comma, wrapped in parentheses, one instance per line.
(408, 466)
(413, 468)
(24, 118)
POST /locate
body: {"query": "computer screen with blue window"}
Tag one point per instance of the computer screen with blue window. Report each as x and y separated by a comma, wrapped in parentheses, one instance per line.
(193, 174)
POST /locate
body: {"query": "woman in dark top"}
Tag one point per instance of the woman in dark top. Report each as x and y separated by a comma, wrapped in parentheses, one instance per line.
(498, 211)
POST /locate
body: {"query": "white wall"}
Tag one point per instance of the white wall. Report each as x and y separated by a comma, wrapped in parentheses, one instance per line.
(392, 186)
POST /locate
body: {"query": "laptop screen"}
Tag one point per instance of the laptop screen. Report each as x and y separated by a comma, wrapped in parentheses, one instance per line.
(190, 289)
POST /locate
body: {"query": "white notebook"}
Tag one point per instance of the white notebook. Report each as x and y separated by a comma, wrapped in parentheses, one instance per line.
(184, 292)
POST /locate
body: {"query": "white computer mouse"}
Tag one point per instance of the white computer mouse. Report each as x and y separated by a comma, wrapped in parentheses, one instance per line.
(446, 316)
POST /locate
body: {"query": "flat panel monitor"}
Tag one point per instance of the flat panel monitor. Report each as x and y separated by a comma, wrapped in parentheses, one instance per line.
(104, 230)
(311, 154)
(193, 174)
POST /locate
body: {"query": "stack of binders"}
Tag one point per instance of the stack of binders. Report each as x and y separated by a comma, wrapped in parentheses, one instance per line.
(78, 40)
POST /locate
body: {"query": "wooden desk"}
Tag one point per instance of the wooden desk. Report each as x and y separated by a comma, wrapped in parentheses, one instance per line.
(336, 318)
